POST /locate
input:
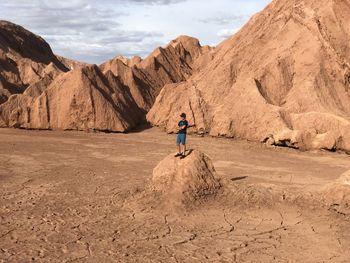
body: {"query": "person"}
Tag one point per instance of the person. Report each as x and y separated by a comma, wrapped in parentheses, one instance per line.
(181, 136)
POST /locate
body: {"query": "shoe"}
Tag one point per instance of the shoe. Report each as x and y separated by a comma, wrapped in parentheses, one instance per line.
(178, 155)
(183, 156)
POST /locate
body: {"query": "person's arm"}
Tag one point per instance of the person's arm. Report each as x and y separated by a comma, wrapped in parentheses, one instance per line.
(184, 126)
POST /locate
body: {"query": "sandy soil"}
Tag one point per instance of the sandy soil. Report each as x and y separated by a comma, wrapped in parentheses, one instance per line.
(73, 197)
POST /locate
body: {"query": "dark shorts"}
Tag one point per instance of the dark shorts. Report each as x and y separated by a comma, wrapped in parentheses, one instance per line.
(181, 138)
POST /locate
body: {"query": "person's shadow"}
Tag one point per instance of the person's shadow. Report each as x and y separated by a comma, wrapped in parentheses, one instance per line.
(238, 178)
(233, 179)
(188, 152)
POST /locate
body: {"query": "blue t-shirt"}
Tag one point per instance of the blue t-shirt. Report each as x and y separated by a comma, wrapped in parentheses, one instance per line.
(184, 130)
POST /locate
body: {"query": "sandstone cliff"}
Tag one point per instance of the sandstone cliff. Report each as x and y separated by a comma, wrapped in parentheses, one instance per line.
(172, 64)
(25, 58)
(40, 90)
(284, 78)
(81, 99)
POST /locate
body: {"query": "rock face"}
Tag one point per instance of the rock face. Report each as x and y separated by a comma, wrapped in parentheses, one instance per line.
(81, 99)
(39, 90)
(25, 59)
(284, 78)
(182, 182)
(70, 63)
(172, 64)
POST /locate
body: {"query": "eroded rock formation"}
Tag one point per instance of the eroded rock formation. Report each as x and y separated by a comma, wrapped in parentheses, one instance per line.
(25, 59)
(40, 90)
(284, 78)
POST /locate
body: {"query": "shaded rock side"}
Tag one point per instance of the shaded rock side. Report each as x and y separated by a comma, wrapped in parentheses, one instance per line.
(172, 64)
(24, 58)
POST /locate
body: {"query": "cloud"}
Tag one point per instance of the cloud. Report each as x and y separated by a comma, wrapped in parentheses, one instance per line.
(226, 33)
(156, 2)
(94, 31)
(78, 3)
(224, 19)
(80, 29)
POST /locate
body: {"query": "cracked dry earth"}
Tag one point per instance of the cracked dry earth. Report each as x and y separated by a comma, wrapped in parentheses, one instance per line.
(72, 197)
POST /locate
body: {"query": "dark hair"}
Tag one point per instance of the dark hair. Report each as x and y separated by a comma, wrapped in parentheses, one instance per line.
(183, 115)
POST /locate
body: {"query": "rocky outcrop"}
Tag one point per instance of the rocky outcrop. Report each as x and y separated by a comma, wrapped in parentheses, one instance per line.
(25, 58)
(81, 99)
(337, 194)
(172, 64)
(184, 182)
(70, 63)
(39, 90)
(284, 78)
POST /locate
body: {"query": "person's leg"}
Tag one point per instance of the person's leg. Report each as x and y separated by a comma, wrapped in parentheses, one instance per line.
(183, 145)
(178, 144)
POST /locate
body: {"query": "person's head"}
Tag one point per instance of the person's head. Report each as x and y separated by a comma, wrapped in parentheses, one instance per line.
(183, 116)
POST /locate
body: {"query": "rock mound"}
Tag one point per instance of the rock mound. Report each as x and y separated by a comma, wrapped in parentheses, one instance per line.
(284, 78)
(183, 182)
(337, 194)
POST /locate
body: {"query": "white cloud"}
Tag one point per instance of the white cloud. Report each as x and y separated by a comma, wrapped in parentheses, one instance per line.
(224, 19)
(81, 30)
(226, 33)
(94, 31)
(156, 2)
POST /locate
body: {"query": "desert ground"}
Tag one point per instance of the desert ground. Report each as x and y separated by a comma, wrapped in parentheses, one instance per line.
(75, 197)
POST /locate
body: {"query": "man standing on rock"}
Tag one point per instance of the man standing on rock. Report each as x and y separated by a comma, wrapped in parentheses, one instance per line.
(181, 136)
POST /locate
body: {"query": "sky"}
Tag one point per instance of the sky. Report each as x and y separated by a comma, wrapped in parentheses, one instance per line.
(95, 31)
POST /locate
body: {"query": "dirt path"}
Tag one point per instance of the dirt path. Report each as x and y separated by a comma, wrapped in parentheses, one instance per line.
(70, 197)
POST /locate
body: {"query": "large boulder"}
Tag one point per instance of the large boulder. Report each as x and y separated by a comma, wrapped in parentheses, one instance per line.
(185, 181)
